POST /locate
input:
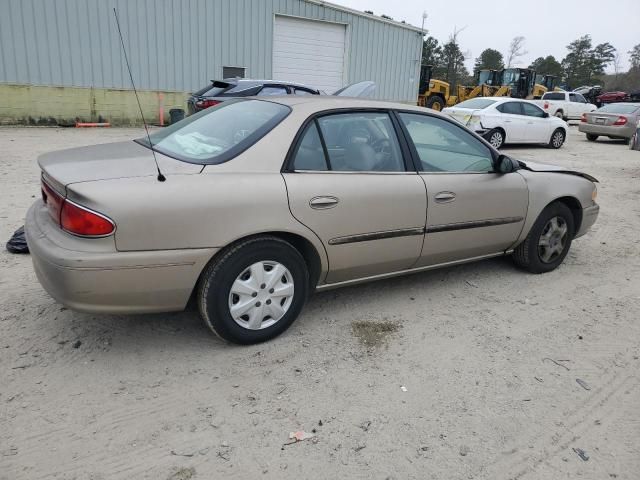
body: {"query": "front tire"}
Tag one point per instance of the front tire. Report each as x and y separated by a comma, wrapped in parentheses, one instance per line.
(436, 103)
(495, 138)
(548, 242)
(591, 137)
(557, 139)
(254, 291)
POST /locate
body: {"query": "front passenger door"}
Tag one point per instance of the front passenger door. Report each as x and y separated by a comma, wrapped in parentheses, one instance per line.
(472, 211)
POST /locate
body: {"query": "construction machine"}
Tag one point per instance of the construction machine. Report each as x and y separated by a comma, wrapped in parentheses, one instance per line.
(543, 84)
(493, 81)
(436, 94)
(520, 81)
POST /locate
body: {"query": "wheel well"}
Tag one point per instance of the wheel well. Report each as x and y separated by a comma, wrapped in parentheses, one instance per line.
(576, 210)
(304, 246)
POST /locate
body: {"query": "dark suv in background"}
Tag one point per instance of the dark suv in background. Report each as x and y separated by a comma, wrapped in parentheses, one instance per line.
(221, 90)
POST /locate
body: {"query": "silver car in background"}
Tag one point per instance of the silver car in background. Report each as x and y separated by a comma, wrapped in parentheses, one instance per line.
(615, 120)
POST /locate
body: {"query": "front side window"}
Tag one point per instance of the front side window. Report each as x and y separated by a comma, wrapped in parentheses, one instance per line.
(302, 91)
(573, 97)
(445, 147)
(511, 108)
(218, 134)
(580, 98)
(532, 110)
(267, 91)
(361, 142)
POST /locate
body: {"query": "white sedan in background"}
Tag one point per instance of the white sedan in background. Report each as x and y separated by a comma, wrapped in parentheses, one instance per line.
(502, 120)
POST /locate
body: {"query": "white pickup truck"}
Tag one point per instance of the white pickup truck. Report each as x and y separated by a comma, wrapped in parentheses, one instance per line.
(565, 105)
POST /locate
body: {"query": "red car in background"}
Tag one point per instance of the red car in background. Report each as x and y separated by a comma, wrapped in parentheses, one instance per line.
(612, 97)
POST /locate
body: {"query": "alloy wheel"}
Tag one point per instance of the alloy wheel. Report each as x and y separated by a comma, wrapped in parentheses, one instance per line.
(558, 139)
(553, 240)
(496, 139)
(261, 295)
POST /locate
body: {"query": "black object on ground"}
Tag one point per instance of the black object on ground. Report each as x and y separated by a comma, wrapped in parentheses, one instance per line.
(176, 115)
(18, 242)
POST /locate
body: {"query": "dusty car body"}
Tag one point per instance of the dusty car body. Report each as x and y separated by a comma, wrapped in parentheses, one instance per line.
(292, 195)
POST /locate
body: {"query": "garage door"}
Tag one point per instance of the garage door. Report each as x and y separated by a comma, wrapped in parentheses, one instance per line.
(309, 52)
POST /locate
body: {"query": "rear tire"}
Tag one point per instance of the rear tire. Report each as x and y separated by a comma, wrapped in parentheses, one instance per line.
(548, 241)
(245, 268)
(557, 138)
(560, 114)
(591, 137)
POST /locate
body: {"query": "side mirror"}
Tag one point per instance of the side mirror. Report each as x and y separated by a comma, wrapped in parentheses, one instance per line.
(506, 164)
(545, 114)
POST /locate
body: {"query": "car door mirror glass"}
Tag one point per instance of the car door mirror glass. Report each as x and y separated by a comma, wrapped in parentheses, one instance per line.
(506, 164)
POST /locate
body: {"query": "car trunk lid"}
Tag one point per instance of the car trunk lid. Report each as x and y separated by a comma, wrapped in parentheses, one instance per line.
(606, 119)
(108, 161)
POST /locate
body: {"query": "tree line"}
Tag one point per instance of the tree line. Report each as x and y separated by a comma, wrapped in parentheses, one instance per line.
(584, 63)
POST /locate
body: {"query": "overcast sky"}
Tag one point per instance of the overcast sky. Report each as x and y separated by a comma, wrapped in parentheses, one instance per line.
(548, 29)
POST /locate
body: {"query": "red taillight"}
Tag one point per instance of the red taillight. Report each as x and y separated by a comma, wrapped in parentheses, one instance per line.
(583, 119)
(620, 121)
(74, 218)
(546, 105)
(81, 221)
(207, 103)
(53, 200)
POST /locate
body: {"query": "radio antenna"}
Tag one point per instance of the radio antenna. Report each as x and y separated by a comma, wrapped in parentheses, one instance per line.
(161, 177)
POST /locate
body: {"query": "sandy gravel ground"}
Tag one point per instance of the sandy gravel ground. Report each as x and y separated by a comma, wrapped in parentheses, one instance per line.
(159, 397)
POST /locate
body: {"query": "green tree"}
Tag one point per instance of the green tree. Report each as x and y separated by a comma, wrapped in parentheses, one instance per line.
(547, 65)
(453, 69)
(634, 57)
(431, 52)
(584, 62)
(489, 59)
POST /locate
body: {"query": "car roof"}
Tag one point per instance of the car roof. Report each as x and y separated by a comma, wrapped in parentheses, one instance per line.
(328, 102)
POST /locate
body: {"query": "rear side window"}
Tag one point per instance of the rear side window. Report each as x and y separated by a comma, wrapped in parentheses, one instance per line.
(218, 134)
(350, 142)
(553, 96)
(512, 108)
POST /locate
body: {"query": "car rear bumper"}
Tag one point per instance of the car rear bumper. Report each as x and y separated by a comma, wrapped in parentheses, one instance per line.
(589, 217)
(111, 282)
(625, 131)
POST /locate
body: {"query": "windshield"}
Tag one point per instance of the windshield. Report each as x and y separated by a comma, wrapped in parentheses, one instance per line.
(476, 103)
(218, 134)
(484, 76)
(511, 77)
(619, 108)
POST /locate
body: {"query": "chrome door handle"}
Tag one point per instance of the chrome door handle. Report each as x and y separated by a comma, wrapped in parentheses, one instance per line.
(445, 197)
(323, 203)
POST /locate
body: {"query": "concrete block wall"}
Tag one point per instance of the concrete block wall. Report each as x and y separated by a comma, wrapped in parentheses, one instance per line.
(45, 105)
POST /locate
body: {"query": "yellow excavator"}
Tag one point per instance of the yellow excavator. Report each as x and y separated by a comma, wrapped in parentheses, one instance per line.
(436, 94)
(544, 83)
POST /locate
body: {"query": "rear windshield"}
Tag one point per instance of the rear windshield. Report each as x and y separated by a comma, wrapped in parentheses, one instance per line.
(554, 96)
(218, 134)
(476, 103)
(213, 90)
(619, 108)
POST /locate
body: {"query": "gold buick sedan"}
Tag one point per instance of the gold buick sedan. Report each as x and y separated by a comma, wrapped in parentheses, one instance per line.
(252, 205)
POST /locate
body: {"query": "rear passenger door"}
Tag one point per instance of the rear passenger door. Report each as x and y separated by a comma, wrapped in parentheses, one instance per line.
(349, 181)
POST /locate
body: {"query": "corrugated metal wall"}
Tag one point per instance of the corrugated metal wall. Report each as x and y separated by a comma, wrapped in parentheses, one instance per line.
(181, 44)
